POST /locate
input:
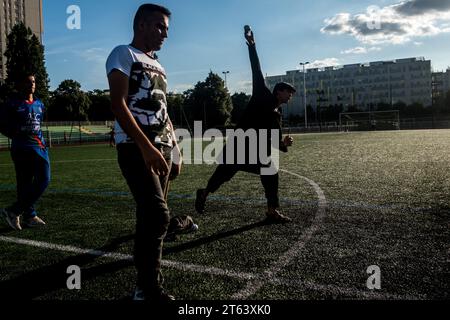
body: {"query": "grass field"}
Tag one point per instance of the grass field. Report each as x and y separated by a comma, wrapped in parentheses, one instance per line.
(357, 199)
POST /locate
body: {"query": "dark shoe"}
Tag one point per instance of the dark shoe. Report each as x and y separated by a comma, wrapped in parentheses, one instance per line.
(180, 225)
(138, 295)
(160, 296)
(200, 201)
(276, 217)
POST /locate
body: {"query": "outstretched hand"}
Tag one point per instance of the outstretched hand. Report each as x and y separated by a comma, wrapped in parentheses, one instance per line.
(249, 35)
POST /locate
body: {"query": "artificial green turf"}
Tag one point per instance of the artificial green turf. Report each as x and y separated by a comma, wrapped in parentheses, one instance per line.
(388, 196)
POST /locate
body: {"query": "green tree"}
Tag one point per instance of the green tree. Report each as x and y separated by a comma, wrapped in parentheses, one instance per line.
(100, 107)
(175, 107)
(69, 103)
(25, 54)
(210, 102)
(240, 103)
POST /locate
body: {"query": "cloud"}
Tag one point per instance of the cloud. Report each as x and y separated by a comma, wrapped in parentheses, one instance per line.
(98, 55)
(245, 86)
(184, 72)
(328, 62)
(62, 46)
(360, 50)
(420, 7)
(395, 24)
(180, 88)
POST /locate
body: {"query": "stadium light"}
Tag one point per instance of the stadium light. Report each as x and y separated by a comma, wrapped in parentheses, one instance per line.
(304, 92)
(225, 73)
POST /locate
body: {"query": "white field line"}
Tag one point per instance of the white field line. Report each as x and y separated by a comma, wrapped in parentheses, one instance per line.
(63, 248)
(330, 289)
(255, 281)
(255, 285)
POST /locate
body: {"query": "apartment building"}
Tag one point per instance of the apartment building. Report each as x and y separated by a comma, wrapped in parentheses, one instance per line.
(363, 84)
(13, 12)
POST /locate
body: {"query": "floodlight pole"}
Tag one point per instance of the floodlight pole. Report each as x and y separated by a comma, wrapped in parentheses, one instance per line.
(304, 92)
(225, 73)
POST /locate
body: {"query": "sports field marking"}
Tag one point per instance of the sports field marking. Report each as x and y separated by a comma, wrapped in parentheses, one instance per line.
(63, 248)
(327, 289)
(268, 276)
(216, 197)
(255, 285)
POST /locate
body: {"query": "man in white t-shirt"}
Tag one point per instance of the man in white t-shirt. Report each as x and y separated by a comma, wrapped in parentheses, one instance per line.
(145, 140)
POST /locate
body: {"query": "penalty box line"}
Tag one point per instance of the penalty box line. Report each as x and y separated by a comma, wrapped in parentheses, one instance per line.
(243, 276)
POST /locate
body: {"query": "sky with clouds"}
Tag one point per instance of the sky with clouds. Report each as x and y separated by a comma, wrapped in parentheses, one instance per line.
(208, 35)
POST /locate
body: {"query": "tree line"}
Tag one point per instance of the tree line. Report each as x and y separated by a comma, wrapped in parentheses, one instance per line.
(208, 101)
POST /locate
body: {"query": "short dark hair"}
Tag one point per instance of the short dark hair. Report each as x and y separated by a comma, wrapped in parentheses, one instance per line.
(147, 9)
(283, 86)
(20, 79)
(26, 75)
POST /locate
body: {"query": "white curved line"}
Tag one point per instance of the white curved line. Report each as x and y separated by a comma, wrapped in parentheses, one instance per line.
(254, 285)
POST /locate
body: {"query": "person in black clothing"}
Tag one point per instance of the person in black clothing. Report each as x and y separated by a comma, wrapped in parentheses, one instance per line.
(262, 112)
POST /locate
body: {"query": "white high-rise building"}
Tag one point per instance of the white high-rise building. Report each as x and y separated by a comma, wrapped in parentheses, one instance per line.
(12, 12)
(364, 85)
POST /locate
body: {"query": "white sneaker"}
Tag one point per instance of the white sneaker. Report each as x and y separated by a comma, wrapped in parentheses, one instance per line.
(194, 227)
(33, 222)
(12, 219)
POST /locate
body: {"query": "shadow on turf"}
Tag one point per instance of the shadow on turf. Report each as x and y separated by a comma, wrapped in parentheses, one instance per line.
(213, 238)
(6, 230)
(50, 278)
(45, 280)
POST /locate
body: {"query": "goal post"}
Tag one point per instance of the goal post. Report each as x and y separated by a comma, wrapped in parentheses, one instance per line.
(371, 120)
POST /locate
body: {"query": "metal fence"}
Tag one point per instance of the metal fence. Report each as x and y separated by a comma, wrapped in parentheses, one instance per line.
(62, 137)
(77, 124)
(62, 134)
(403, 124)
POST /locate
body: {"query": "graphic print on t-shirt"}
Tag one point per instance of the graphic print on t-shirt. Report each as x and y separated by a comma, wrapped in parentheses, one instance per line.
(147, 98)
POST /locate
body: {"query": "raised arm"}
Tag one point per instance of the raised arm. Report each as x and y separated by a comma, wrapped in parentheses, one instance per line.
(258, 78)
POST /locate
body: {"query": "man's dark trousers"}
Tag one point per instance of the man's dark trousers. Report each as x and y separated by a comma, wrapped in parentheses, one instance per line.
(225, 172)
(152, 214)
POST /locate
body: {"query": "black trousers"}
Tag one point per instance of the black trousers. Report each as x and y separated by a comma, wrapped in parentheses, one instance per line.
(152, 214)
(225, 172)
